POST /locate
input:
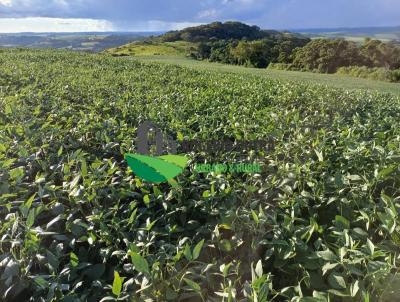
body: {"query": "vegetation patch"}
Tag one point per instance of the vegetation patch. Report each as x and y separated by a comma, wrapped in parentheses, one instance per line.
(153, 48)
(240, 44)
(380, 74)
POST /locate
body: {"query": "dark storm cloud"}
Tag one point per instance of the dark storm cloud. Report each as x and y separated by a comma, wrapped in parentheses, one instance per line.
(127, 14)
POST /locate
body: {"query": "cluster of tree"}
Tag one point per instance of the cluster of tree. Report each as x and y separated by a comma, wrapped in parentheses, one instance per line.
(257, 53)
(296, 53)
(327, 55)
(238, 43)
(218, 31)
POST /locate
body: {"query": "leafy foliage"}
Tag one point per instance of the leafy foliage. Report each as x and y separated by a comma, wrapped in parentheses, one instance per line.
(241, 44)
(328, 55)
(217, 31)
(320, 223)
(259, 53)
(377, 73)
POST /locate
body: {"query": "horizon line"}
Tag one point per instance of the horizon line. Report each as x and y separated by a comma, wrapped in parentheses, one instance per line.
(298, 30)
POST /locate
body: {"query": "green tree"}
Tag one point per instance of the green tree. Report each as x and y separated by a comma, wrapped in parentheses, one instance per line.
(254, 53)
(327, 56)
(379, 54)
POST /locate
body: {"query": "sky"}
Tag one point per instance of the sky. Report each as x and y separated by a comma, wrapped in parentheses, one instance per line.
(160, 15)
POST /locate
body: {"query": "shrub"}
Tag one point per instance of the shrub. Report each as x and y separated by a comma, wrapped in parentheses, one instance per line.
(376, 73)
(282, 66)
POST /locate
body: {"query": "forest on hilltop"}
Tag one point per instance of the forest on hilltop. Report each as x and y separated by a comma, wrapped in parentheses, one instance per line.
(240, 44)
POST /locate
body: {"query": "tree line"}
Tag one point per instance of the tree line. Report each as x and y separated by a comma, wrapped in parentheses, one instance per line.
(241, 44)
(293, 53)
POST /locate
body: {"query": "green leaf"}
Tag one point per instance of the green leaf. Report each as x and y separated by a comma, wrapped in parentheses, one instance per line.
(73, 259)
(95, 272)
(226, 245)
(370, 247)
(255, 217)
(17, 173)
(193, 285)
(206, 194)
(328, 266)
(152, 169)
(187, 252)
(52, 260)
(27, 205)
(336, 281)
(259, 268)
(171, 295)
(342, 222)
(197, 249)
(354, 289)
(146, 199)
(60, 151)
(387, 171)
(117, 284)
(84, 171)
(40, 281)
(132, 217)
(327, 255)
(75, 181)
(8, 109)
(31, 218)
(354, 177)
(319, 155)
(180, 136)
(388, 222)
(140, 263)
(11, 270)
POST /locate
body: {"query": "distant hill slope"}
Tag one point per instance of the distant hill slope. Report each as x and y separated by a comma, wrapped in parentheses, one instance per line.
(186, 41)
(75, 41)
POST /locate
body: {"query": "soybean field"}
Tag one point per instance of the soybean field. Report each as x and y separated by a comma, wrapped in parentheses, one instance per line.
(320, 222)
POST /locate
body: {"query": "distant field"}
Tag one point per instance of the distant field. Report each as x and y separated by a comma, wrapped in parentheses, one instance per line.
(178, 48)
(339, 81)
(77, 41)
(357, 39)
(356, 34)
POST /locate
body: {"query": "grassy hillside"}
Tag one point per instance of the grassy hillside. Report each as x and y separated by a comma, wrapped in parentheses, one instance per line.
(236, 43)
(153, 48)
(332, 80)
(319, 223)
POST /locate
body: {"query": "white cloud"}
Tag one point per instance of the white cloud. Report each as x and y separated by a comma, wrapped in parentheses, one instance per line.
(157, 25)
(6, 2)
(244, 2)
(61, 2)
(39, 24)
(209, 13)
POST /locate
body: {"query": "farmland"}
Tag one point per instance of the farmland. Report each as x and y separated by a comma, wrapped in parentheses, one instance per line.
(320, 223)
(331, 80)
(75, 41)
(177, 48)
(356, 34)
